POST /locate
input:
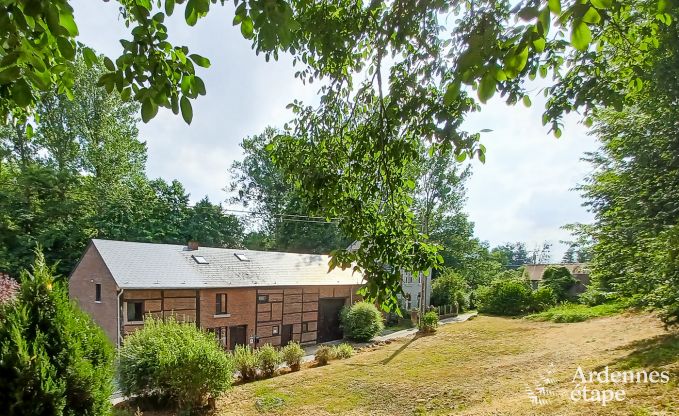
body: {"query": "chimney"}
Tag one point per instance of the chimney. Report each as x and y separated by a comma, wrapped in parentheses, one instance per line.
(193, 245)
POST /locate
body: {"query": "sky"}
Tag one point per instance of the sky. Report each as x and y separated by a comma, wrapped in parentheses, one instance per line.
(524, 191)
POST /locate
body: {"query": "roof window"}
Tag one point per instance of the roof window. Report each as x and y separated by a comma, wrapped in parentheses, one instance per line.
(200, 260)
(241, 256)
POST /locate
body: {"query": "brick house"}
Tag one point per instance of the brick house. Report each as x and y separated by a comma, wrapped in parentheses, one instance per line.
(580, 271)
(243, 296)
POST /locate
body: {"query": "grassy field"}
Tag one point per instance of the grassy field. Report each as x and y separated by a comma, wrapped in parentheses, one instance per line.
(575, 312)
(481, 367)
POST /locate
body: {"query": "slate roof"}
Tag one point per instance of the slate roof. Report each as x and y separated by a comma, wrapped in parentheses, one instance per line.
(169, 266)
(535, 271)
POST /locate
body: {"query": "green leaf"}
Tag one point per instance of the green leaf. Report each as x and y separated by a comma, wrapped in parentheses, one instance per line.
(554, 6)
(187, 111)
(66, 21)
(198, 85)
(190, 14)
(486, 87)
(591, 16)
(200, 60)
(10, 74)
(602, 4)
(539, 44)
(581, 35)
(557, 133)
(169, 7)
(526, 101)
(247, 28)
(90, 56)
(108, 63)
(66, 48)
(21, 93)
(528, 13)
(149, 109)
(452, 92)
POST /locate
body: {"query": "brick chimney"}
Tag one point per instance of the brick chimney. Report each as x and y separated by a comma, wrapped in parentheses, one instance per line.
(193, 245)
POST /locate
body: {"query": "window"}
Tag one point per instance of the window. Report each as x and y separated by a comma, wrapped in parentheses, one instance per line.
(200, 259)
(275, 329)
(221, 304)
(262, 298)
(135, 311)
(97, 292)
(241, 256)
(305, 327)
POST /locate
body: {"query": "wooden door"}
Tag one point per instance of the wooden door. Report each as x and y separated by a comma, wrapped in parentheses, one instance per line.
(286, 335)
(237, 336)
(329, 319)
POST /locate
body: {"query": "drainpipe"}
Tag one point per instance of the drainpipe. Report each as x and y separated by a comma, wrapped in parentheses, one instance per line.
(120, 293)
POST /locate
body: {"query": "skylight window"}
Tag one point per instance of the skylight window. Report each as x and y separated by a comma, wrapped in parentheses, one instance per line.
(200, 260)
(242, 256)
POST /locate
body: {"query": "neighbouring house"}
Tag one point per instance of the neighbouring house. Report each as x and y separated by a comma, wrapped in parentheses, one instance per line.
(412, 286)
(243, 296)
(580, 272)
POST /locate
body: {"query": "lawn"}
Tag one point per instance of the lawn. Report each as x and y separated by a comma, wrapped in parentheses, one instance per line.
(481, 367)
(575, 312)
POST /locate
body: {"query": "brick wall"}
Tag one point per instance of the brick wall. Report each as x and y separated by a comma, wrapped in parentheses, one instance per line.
(240, 308)
(90, 271)
(180, 303)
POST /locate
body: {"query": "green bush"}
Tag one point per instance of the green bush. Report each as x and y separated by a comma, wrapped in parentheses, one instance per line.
(174, 361)
(343, 351)
(504, 297)
(53, 359)
(462, 300)
(246, 361)
(543, 298)
(429, 322)
(292, 354)
(447, 288)
(573, 312)
(361, 322)
(323, 354)
(593, 297)
(560, 280)
(269, 359)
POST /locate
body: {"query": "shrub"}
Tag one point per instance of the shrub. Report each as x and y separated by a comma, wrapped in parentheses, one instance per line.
(462, 301)
(292, 355)
(560, 280)
(593, 296)
(543, 298)
(246, 361)
(343, 351)
(8, 288)
(429, 322)
(504, 297)
(269, 359)
(174, 361)
(323, 354)
(361, 322)
(573, 312)
(445, 288)
(53, 358)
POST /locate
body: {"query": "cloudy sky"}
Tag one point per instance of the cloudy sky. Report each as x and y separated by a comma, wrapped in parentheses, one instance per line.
(522, 193)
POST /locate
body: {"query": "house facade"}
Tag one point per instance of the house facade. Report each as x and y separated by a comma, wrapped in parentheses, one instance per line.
(242, 296)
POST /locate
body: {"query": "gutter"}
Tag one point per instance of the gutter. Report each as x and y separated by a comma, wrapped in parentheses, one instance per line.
(120, 293)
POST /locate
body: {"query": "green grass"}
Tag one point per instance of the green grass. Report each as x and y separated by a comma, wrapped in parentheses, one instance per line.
(575, 312)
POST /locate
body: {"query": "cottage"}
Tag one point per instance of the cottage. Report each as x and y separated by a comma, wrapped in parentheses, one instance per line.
(580, 272)
(243, 296)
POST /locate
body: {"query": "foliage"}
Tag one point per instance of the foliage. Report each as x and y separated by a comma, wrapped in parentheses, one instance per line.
(343, 351)
(8, 288)
(246, 361)
(292, 354)
(53, 359)
(361, 321)
(81, 175)
(175, 361)
(593, 296)
(288, 222)
(429, 322)
(543, 298)
(560, 280)
(573, 312)
(633, 186)
(445, 288)
(269, 359)
(323, 354)
(504, 297)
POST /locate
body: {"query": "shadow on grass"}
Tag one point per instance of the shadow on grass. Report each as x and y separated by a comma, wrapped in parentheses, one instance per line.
(400, 349)
(650, 353)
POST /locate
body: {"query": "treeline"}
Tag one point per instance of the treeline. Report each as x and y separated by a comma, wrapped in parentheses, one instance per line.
(78, 172)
